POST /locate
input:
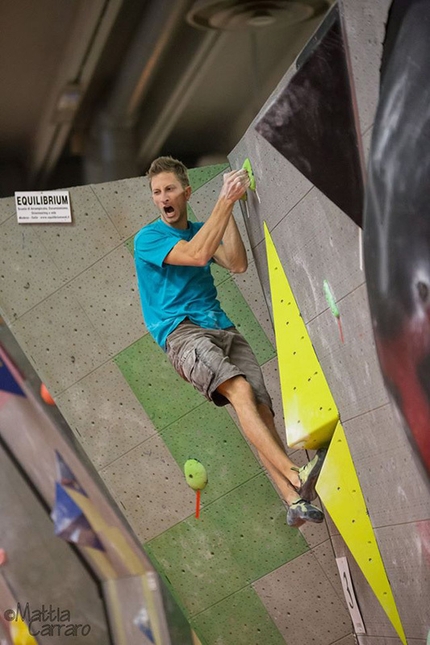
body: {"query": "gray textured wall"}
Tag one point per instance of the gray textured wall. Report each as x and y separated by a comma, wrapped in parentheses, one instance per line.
(317, 241)
(69, 297)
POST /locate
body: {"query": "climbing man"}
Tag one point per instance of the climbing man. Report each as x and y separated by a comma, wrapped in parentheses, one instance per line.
(182, 313)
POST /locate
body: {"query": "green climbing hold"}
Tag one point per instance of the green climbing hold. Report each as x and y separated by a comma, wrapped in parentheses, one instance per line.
(330, 299)
(247, 166)
(195, 474)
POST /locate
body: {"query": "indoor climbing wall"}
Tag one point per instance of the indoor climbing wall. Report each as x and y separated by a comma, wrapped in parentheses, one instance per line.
(69, 296)
(242, 577)
(306, 242)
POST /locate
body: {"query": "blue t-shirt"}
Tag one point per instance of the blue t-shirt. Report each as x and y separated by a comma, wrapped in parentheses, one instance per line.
(171, 293)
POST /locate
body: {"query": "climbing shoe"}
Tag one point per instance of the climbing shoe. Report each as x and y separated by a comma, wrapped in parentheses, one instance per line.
(301, 511)
(308, 475)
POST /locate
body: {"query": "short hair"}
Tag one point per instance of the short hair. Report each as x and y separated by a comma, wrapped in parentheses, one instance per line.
(169, 164)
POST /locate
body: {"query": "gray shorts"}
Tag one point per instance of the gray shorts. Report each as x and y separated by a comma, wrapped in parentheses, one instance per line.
(208, 357)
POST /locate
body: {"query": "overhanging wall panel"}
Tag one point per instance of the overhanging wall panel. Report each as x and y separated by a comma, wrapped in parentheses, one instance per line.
(317, 242)
(351, 368)
(367, 140)
(280, 186)
(364, 24)
(406, 563)
(379, 445)
(410, 574)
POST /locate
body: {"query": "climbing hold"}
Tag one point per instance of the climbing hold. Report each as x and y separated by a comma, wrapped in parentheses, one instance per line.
(333, 306)
(247, 166)
(195, 474)
(196, 477)
(46, 397)
(330, 299)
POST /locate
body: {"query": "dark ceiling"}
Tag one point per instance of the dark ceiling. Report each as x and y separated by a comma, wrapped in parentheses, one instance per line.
(93, 90)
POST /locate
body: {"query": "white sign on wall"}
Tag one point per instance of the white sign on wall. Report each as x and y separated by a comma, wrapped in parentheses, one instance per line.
(43, 207)
(351, 600)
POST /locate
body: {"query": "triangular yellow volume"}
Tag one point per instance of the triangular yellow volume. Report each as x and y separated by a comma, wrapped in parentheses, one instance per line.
(309, 409)
(339, 489)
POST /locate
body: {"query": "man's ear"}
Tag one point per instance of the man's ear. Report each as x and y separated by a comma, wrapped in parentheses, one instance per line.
(188, 192)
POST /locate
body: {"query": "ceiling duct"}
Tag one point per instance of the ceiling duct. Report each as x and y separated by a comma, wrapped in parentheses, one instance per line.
(247, 14)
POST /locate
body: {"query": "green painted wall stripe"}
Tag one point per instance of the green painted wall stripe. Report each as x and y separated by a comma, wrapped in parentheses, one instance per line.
(200, 176)
(219, 274)
(210, 435)
(209, 564)
(240, 538)
(129, 244)
(161, 392)
(241, 619)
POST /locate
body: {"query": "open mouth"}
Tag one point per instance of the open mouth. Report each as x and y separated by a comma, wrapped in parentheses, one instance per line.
(168, 210)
